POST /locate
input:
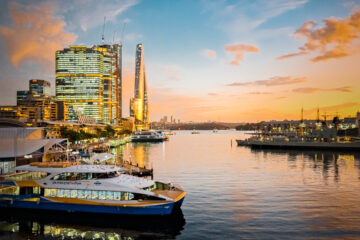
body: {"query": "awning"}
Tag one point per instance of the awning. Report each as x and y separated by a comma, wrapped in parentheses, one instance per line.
(10, 148)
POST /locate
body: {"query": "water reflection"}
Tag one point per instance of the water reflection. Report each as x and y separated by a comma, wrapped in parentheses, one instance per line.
(53, 225)
(327, 161)
(137, 154)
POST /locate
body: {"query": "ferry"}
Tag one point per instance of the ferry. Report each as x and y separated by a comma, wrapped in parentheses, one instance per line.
(87, 189)
(148, 136)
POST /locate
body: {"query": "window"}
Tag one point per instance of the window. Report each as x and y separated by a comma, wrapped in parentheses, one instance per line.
(87, 194)
(73, 194)
(94, 195)
(53, 192)
(36, 190)
(81, 194)
(60, 193)
(102, 195)
(109, 195)
(50, 192)
(67, 193)
(117, 196)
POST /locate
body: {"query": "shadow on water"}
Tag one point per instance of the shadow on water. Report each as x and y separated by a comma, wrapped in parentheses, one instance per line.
(30, 224)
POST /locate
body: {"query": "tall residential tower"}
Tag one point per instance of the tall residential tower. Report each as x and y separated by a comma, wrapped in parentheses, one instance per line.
(139, 105)
(89, 80)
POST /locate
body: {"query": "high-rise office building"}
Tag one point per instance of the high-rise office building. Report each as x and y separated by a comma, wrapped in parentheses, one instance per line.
(39, 88)
(89, 80)
(139, 105)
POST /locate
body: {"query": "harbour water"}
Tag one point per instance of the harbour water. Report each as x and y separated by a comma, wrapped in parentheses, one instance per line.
(232, 193)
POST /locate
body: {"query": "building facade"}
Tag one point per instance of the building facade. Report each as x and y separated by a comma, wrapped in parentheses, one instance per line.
(35, 104)
(89, 80)
(139, 105)
(39, 88)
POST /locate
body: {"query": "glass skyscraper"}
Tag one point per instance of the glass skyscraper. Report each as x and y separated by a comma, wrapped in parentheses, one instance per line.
(89, 81)
(139, 105)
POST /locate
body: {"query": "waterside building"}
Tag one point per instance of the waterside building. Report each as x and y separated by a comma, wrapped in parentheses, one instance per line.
(89, 80)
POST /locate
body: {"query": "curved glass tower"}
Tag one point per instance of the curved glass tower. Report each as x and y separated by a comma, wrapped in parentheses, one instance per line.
(139, 105)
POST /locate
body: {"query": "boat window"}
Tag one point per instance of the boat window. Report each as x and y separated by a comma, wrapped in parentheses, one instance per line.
(36, 190)
(9, 190)
(87, 194)
(25, 175)
(81, 194)
(102, 195)
(67, 193)
(73, 194)
(94, 195)
(84, 176)
(117, 196)
(51, 192)
(109, 195)
(60, 193)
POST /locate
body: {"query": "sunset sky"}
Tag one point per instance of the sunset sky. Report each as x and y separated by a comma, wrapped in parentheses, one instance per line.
(236, 61)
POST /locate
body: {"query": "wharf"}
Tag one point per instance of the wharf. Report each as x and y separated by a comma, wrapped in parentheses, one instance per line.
(353, 146)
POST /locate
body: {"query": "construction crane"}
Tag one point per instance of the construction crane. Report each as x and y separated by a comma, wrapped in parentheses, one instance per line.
(103, 30)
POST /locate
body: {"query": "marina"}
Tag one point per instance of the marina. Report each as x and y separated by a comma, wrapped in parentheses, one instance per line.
(308, 192)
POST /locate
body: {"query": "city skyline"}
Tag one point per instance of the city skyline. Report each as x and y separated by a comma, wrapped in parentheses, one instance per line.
(223, 61)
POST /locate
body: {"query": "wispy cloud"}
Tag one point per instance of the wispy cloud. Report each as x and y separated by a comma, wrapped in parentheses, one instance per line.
(260, 93)
(334, 40)
(273, 81)
(238, 50)
(36, 34)
(239, 17)
(346, 89)
(91, 13)
(213, 94)
(211, 54)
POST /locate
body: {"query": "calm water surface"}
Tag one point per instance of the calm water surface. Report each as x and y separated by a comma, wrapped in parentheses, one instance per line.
(232, 193)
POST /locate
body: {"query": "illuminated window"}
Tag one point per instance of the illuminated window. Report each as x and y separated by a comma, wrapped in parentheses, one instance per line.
(94, 195)
(102, 195)
(60, 193)
(81, 194)
(109, 195)
(117, 196)
(87, 194)
(67, 193)
(73, 194)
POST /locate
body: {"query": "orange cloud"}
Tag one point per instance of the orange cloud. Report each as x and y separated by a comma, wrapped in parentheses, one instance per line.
(239, 50)
(259, 93)
(334, 40)
(312, 90)
(211, 54)
(290, 55)
(273, 81)
(35, 34)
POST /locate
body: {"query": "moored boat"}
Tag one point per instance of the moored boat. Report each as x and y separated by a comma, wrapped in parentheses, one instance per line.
(148, 136)
(87, 188)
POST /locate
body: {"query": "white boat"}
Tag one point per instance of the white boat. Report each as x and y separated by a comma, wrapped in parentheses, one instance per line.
(87, 188)
(148, 136)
